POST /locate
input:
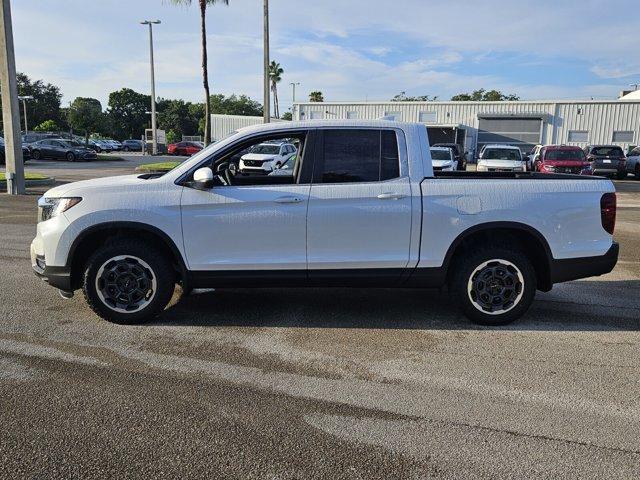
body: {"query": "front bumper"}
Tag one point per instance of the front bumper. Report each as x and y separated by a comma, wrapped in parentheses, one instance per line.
(567, 269)
(58, 277)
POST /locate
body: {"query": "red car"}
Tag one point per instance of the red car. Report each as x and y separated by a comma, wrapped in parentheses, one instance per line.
(562, 159)
(184, 148)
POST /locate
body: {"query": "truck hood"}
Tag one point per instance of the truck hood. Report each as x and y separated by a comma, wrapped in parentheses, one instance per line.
(442, 163)
(501, 163)
(110, 183)
(258, 156)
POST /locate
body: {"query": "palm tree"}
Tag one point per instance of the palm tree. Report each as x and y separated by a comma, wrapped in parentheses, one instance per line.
(275, 75)
(316, 97)
(205, 72)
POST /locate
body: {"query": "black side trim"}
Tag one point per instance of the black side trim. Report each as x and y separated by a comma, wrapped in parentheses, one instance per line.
(58, 277)
(567, 269)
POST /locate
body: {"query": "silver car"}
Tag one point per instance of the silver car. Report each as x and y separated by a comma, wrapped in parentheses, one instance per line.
(633, 163)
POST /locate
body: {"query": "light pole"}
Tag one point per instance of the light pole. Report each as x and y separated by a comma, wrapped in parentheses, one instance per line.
(24, 99)
(293, 85)
(154, 148)
(267, 95)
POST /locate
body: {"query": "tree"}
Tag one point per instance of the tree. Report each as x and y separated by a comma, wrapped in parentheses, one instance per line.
(45, 104)
(47, 126)
(275, 76)
(482, 95)
(85, 115)
(402, 97)
(287, 116)
(205, 71)
(316, 96)
(176, 116)
(127, 113)
(235, 105)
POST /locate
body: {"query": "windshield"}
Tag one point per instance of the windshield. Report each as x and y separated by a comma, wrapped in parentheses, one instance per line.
(576, 154)
(608, 152)
(266, 149)
(440, 155)
(501, 154)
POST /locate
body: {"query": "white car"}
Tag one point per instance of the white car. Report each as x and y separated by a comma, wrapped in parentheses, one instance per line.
(363, 207)
(266, 157)
(501, 158)
(443, 159)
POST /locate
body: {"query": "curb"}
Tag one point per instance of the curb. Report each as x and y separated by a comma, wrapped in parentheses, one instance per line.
(33, 183)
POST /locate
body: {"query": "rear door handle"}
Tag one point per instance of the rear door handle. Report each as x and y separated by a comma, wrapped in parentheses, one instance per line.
(391, 196)
(288, 199)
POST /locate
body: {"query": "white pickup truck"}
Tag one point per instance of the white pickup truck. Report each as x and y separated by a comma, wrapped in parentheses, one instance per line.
(362, 208)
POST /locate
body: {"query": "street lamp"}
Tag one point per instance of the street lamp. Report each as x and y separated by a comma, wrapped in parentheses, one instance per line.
(154, 149)
(24, 99)
(265, 39)
(294, 84)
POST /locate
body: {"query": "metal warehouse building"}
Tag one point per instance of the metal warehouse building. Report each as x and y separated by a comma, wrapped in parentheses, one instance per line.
(521, 123)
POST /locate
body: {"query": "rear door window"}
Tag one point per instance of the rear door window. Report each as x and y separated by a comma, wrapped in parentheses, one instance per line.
(352, 155)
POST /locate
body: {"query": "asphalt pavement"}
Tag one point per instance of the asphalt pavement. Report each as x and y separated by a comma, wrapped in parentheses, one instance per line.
(321, 383)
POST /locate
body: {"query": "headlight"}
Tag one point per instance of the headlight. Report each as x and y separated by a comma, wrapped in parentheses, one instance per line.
(52, 207)
(481, 168)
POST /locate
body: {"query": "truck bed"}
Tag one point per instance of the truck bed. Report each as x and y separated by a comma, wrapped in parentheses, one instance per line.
(515, 175)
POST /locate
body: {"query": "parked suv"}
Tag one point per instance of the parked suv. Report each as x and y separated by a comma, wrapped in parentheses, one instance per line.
(266, 157)
(562, 159)
(501, 158)
(606, 160)
(459, 155)
(132, 145)
(632, 165)
(184, 148)
(443, 159)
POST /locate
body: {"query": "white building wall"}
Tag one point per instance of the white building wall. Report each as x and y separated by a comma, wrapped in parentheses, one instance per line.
(599, 118)
(223, 125)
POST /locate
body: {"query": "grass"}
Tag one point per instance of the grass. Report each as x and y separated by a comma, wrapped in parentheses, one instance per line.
(27, 176)
(157, 167)
(110, 158)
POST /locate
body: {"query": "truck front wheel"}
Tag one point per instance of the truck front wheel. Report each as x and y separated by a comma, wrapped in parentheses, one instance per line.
(128, 282)
(493, 286)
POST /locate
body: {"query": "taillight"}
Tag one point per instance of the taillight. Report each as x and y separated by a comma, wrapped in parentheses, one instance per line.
(608, 212)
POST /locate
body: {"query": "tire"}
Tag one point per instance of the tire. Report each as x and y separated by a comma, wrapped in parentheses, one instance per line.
(621, 175)
(502, 266)
(126, 149)
(36, 154)
(125, 263)
(636, 171)
(71, 157)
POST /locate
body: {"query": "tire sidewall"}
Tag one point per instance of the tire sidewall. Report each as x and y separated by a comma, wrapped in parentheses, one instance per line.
(160, 267)
(71, 157)
(466, 267)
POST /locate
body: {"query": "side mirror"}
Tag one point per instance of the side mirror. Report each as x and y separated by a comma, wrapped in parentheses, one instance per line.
(203, 178)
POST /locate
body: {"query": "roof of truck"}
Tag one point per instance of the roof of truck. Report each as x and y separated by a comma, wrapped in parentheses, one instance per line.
(325, 123)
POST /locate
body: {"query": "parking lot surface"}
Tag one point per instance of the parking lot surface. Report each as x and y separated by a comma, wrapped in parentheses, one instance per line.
(321, 383)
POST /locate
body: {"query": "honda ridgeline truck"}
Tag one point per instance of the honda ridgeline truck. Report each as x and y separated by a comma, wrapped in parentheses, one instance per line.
(362, 208)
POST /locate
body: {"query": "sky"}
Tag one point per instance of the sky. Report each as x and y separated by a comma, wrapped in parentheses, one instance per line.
(351, 50)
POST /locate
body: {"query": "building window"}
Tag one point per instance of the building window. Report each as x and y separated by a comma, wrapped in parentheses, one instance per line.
(578, 136)
(623, 137)
(395, 116)
(352, 115)
(428, 117)
(316, 115)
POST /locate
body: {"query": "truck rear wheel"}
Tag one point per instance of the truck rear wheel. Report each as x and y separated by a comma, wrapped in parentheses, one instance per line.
(494, 286)
(128, 282)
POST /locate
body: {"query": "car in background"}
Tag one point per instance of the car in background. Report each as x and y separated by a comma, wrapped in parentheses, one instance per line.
(562, 159)
(26, 152)
(132, 145)
(501, 158)
(608, 160)
(31, 137)
(459, 155)
(266, 157)
(443, 159)
(632, 165)
(59, 149)
(287, 168)
(531, 156)
(115, 145)
(100, 145)
(184, 148)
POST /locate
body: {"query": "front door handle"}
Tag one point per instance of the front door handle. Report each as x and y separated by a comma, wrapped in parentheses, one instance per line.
(391, 196)
(288, 199)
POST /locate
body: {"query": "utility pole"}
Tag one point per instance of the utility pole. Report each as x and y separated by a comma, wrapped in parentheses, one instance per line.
(267, 95)
(24, 99)
(294, 84)
(154, 148)
(10, 105)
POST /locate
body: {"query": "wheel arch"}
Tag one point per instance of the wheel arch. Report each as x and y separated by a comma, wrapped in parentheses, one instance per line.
(533, 244)
(97, 235)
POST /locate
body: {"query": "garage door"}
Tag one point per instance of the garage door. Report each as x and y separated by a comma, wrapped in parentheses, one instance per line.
(521, 132)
